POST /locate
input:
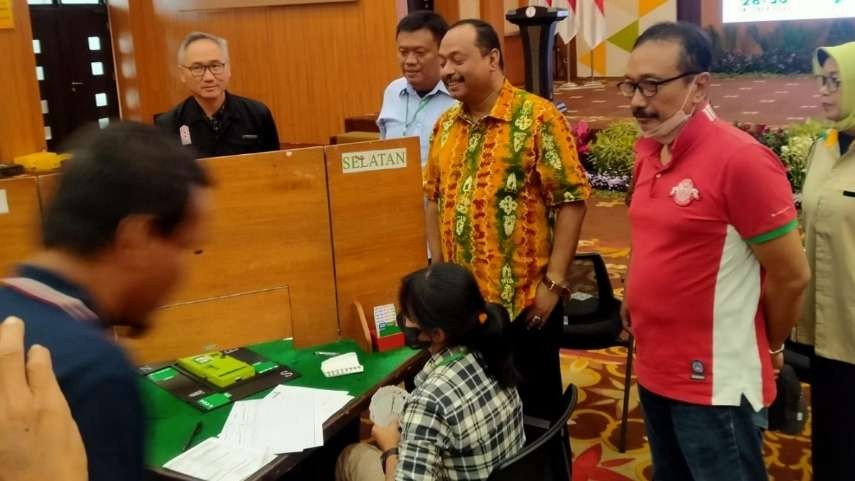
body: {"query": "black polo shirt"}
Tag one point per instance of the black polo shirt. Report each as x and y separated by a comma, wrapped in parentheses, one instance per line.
(241, 126)
(95, 376)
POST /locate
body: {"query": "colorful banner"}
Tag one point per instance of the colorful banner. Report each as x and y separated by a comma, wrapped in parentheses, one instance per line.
(624, 21)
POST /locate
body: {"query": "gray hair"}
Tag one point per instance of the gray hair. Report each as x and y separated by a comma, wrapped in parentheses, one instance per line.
(196, 36)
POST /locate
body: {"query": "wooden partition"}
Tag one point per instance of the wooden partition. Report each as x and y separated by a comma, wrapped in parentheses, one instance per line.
(270, 231)
(297, 237)
(377, 223)
(213, 324)
(271, 228)
(21, 127)
(20, 221)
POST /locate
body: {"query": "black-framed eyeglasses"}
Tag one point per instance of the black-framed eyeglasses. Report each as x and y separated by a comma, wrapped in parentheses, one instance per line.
(198, 70)
(832, 84)
(648, 88)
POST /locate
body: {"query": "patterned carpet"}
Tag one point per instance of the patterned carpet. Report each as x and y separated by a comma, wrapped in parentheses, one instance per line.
(595, 425)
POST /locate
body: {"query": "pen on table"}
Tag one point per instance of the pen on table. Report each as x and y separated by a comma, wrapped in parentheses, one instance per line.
(326, 353)
(193, 435)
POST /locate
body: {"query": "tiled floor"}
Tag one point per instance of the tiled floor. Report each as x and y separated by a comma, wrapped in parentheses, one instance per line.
(772, 101)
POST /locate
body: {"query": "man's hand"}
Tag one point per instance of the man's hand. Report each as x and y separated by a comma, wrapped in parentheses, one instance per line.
(777, 363)
(387, 437)
(539, 312)
(624, 316)
(39, 439)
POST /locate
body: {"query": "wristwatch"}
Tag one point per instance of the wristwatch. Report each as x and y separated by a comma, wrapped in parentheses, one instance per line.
(385, 456)
(561, 289)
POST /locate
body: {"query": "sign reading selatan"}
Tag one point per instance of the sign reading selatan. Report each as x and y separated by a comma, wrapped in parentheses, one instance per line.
(369, 160)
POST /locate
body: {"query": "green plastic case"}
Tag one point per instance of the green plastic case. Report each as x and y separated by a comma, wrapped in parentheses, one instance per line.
(216, 368)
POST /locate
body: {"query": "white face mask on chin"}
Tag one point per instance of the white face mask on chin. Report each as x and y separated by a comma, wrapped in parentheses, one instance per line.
(666, 131)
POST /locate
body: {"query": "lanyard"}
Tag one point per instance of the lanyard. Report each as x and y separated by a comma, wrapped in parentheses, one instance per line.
(422, 104)
(449, 359)
(45, 294)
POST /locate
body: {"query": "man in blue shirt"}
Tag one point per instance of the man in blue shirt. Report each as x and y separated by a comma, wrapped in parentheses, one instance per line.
(412, 103)
(130, 207)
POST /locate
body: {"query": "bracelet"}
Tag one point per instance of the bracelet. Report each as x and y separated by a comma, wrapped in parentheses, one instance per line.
(561, 289)
(385, 456)
(778, 351)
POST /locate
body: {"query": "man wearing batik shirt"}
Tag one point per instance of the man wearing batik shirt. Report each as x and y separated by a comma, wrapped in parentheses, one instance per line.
(717, 273)
(506, 194)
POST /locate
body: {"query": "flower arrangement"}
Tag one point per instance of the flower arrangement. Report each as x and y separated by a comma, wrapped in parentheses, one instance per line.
(608, 155)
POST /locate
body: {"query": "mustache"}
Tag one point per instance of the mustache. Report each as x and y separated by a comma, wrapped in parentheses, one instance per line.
(453, 78)
(640, 113)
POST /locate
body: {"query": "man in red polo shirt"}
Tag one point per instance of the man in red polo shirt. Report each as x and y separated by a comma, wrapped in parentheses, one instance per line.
(717, 273)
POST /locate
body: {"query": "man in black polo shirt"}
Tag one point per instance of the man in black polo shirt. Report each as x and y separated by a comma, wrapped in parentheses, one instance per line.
(131, 206)
(212, 120)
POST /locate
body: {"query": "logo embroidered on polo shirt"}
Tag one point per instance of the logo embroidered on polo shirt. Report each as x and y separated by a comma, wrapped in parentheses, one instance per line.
(698, 371)
(685, 193)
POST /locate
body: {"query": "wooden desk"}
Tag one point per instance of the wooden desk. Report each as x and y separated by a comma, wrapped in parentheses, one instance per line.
(171, 421)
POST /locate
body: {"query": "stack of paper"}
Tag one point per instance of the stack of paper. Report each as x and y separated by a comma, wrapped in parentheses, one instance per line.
(288, 420)
(326, 402)
(217, 460)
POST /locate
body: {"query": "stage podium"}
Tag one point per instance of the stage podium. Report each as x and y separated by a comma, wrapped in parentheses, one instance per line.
(537, 27)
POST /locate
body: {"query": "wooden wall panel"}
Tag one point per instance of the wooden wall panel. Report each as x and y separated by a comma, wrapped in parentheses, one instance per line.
(21, 126)
(20, 227)
(219, 4)
(186, 329)
(378, 229)
(514, 59)
(139, 45)
(313, 65)
(449, 9)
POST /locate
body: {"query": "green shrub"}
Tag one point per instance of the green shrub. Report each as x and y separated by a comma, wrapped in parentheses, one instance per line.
(612, 152)
(794, 152)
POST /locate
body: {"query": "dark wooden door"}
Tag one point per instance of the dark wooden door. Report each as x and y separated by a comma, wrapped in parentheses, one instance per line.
(74, 62)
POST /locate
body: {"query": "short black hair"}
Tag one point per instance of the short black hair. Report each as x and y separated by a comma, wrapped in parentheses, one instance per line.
(486, 38)
(696, 46)
(423, 19)
(127, 168)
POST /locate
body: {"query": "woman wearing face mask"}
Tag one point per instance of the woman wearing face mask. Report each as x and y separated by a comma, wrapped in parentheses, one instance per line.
(828, 202)
(465, 416)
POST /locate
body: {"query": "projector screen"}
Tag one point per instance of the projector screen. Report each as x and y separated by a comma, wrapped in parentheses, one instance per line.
(767, 10)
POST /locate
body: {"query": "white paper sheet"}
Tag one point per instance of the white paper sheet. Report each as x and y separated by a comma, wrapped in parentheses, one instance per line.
(327, 402)
(288, 420)
(217, 460)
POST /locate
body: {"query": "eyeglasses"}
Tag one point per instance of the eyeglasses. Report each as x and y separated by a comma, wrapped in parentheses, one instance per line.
(198, 70)
(648, 88)
(832, 84)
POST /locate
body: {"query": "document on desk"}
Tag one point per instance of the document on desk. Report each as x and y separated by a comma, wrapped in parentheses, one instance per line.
(327, 402)
(288, 420)
(216, 460)
(279, 425)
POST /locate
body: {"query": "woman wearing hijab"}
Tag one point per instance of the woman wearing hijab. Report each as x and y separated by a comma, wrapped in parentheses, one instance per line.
(828, 202)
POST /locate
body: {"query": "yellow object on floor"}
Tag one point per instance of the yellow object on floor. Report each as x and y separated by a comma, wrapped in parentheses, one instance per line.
(42, 161)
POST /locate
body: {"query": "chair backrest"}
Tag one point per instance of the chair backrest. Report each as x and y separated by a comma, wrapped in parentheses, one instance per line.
(546, 458)
(588, 275)
(592, 313)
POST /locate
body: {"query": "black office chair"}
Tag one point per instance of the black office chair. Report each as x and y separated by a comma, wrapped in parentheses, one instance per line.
(592, 319)
(547, 457)
(798, 356)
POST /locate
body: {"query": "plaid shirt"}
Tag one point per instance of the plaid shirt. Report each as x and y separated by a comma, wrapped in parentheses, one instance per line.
(458, 424)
